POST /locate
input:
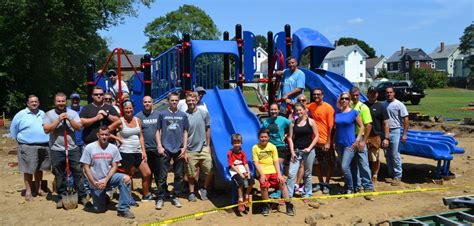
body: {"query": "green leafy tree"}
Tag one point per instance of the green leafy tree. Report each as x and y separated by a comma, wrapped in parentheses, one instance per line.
(261, 41)
(363, 45)
(467, 46)
(45, 45)
(427, 78)
(383, 73)
(164, 32)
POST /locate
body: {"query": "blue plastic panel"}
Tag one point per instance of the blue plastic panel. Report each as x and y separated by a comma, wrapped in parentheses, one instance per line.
(306, 37)
(250, 61)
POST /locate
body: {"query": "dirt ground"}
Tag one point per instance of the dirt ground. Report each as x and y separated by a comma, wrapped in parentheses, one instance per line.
(42, 211)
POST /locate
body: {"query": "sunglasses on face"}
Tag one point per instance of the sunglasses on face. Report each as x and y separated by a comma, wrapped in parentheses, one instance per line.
(302, 100)
(97, 94)
(345, 98)
(317, 94)
(108, 99)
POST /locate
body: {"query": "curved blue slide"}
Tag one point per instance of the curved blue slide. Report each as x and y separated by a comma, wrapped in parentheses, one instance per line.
(230, 114)
(332, 84)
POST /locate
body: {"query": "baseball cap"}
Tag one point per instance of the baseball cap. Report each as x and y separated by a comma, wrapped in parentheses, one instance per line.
(75, 95)
(111, 71)
(371, 89)
(200, 89)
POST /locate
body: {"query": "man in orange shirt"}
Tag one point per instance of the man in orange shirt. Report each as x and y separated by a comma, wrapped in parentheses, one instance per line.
(323, 114)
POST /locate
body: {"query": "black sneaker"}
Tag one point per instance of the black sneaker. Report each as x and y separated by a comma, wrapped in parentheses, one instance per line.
(59, 204)
(290, 210)
(266, 209)
(126, 214)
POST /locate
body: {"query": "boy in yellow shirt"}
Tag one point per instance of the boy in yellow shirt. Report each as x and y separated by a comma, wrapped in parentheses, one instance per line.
(265, 158)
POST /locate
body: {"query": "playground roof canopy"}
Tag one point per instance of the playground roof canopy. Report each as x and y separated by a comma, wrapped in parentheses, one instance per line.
(306, 37)
(199, 47)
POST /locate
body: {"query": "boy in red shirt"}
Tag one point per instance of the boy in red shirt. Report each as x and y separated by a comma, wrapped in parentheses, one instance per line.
(239, 170)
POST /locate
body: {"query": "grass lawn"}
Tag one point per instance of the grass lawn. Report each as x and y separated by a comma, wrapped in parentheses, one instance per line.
(445, 102)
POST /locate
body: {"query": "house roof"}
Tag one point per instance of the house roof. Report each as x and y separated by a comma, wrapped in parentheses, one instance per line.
(447, 51)
(260, 49)
(135, 58)
(370, 63)
(417, 54)
(343, 51)
(411, 54)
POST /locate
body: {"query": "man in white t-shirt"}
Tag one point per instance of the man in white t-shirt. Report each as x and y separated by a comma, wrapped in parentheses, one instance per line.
(113, 86)
(182, 106)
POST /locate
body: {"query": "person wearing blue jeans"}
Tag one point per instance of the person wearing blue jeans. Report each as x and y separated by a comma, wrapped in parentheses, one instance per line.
(101, 161)
(302, 137)
(346, 143)
(398, 117)
(361, 162)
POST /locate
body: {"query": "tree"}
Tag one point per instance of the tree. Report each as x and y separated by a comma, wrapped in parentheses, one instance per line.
(427, 78)
(467, 46)
(45, 45)
(363, 45)
(164, 32)
(261, 41)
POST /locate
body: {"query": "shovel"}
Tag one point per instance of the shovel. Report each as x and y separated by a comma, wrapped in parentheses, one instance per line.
(70, 199)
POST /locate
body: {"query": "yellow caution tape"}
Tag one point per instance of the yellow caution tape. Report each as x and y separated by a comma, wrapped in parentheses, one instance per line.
(376, 193)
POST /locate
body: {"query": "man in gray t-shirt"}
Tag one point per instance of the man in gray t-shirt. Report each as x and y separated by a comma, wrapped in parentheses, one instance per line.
(171, 141)
(198, 151)
(398, 117)
(58, 123)
(101, 159)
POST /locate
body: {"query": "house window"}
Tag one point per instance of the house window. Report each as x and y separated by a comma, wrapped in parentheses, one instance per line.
(399, 66)
(427, 62)
(258, 54)
(433, 65)
(390, 66)
(361, 75)
(361, 62)
(407, 64)
(333, 65)
(417, 64)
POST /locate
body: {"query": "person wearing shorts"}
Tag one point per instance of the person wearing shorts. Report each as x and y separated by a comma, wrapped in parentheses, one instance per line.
(32, 152)
(132, 148)
(380, 129)
(323, 115)
(265, 158)
(198, 151)
(239, 171)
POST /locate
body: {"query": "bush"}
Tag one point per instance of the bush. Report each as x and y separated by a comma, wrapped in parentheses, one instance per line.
(425, 78)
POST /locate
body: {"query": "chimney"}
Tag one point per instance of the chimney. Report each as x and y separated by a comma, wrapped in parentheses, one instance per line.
(441, 49)
(335, 43)
(401, 50)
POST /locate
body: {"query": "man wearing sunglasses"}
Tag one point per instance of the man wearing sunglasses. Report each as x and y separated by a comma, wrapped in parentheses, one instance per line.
(113, 87)
(293, 81)
(96, 114)
(323, 115)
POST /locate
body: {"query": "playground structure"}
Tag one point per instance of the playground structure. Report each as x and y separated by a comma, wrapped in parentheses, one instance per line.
(217, 65)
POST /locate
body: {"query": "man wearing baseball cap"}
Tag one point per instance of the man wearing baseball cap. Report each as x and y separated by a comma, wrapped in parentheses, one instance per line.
(182, 106)
(378, 137)
(113, 87)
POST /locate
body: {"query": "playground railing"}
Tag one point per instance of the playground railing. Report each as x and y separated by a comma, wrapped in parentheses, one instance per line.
(165, 73)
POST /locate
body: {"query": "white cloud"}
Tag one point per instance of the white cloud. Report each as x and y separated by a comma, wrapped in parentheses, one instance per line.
(419, 25)
(357, 20)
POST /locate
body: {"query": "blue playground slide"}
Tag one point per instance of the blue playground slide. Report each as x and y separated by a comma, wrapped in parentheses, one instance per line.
(332, 84)
(230, 114)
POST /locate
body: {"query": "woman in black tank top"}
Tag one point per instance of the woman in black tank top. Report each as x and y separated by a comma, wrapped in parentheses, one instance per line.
(302, 138)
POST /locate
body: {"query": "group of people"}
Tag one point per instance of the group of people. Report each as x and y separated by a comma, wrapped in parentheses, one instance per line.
(104, 149)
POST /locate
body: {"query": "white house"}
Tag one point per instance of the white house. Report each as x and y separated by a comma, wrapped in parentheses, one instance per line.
(373, 66)
(261, 62)
(348, 61)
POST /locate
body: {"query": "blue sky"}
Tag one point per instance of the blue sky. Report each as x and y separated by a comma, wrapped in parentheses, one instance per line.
(385, 25)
